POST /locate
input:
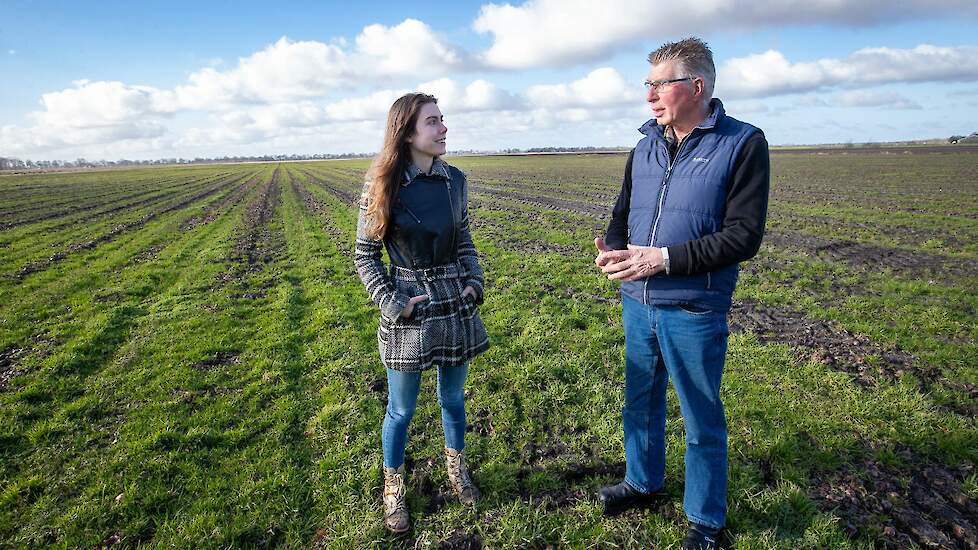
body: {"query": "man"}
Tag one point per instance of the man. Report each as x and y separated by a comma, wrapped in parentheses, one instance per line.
(692, 205)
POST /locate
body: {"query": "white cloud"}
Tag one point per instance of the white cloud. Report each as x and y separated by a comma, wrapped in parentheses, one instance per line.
(770, 73)
(336, 93)
(406, 49)
(602, 87)
(98, 104)
(291, 70)
(869, 98)
(568, 32)
(89, 113)
(370, 107)
(479, 95)
(283, 71)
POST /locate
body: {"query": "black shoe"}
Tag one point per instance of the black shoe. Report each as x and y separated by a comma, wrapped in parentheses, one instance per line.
(618, 498)
(701, 537)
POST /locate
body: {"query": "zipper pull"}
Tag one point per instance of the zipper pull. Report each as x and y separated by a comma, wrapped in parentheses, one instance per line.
(408, 210)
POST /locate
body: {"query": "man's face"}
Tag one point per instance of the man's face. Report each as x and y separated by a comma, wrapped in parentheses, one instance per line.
(677, 103)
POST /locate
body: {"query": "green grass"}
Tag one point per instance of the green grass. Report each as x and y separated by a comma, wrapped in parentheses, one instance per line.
(170, 395)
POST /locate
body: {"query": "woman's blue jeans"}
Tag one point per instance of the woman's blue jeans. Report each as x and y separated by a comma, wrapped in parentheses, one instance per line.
(663, 342)
(402, 399)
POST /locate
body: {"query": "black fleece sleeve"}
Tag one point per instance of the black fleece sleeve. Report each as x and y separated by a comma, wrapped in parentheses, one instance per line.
(617, 235)
(740, 235)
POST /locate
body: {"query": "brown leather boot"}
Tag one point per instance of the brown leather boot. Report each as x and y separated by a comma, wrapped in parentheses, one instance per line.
(459, 477)
(396, 515)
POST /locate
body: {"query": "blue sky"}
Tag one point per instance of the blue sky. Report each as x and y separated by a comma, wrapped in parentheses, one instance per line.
(108, 80)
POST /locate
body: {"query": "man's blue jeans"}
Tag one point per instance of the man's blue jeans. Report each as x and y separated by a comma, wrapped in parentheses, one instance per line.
(690, 347)
(402, 399)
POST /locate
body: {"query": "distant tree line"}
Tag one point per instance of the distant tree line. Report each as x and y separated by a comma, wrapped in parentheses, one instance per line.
(18, 164)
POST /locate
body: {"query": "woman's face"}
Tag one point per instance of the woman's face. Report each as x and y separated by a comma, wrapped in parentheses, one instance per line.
(429, 132)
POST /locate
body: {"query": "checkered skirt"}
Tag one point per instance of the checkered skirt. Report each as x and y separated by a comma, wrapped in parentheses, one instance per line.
(444, 330)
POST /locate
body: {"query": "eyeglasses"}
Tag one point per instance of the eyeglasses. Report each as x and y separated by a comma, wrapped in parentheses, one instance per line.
(658, 85)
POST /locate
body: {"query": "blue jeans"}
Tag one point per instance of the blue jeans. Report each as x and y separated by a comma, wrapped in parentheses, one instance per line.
(402, 399)
(690, 347)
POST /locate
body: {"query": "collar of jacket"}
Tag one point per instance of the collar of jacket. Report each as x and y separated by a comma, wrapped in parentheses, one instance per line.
(438, 169)
(652, 128)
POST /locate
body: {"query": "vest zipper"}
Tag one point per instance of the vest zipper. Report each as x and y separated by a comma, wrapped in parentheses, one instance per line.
(662, 198)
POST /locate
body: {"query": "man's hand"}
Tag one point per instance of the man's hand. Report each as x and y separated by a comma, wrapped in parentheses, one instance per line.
(638, 262)
(409, 308)
(602, 258)
(468, 291)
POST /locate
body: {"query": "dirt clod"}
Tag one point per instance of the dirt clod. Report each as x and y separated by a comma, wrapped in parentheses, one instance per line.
(917, 503)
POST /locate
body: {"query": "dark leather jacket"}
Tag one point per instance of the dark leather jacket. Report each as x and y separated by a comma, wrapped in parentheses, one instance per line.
(426, 217)
(429, 228)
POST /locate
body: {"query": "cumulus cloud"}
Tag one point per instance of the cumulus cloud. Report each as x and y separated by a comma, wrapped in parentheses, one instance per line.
(290, 70)
(370, 107)
(405, 49)
(479, 95)
(89, 113)
(567, 32)
(771, 73)
(868, 98)
(98, 104)
(601, 87)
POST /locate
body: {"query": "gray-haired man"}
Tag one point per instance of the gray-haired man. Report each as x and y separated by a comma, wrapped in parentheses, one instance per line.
(692, 205)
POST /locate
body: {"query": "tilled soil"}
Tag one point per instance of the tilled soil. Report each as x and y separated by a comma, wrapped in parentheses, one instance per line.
(823, 341)
(89, 218)
(213, 211)
(9, 365)
(826, 342)
(906, 262)
(347, 197)
(911, 263)
(906, 234)
(257, 245)
(71, 210)
(41, 265)
(876, 150)
(919, 503)
(218, 360)
(12, 358)
(92, 202)
(550, 203)
(341, 239)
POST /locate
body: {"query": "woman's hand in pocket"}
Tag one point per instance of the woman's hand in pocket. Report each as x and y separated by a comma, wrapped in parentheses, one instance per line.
(409, 308)
(468, 291)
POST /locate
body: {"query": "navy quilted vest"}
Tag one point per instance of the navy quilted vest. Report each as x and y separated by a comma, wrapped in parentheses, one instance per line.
(672, 204)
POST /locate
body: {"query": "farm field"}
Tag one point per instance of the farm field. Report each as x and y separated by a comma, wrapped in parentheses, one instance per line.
(188, 359)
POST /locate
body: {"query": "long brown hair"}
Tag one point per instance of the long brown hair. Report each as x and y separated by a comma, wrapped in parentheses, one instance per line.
(390, 163)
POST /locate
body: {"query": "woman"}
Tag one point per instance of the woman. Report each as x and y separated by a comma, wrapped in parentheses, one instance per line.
(415, 205)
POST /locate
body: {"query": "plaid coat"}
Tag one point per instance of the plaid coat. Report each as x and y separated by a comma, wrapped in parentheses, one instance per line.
(444, 330)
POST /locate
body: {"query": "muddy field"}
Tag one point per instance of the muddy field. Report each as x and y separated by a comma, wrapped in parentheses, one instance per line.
(187, 355)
